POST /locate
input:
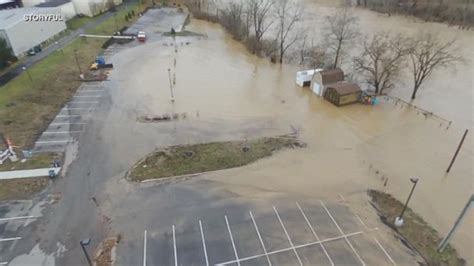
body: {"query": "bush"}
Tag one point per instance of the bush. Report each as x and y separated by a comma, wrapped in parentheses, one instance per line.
(6, 54)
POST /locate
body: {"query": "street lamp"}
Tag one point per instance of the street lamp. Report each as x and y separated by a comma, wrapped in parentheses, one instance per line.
(399, 220)
(171, 85)
(27, 72)
(84, 243)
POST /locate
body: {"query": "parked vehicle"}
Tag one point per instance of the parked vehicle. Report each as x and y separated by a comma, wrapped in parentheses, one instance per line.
(141, 36)
(34, 50)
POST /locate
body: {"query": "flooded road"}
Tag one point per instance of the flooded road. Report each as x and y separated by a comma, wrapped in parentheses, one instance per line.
(228, 93)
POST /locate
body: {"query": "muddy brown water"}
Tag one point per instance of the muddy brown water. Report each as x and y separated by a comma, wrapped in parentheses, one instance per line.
(350, 149)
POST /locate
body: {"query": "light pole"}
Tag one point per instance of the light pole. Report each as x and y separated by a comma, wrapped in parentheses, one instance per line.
(85, 243)
(399, 220)
(77, 62)
(27, 72)
(171, 85)
(116, 24)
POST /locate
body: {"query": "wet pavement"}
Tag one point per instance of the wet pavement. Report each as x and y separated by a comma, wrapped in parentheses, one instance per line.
(230, 94)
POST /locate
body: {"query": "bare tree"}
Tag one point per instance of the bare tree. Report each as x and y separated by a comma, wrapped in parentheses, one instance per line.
(428, 53)
(259, 12)
(232, 19)
(381, 60)
(288, 14)
(340, 31)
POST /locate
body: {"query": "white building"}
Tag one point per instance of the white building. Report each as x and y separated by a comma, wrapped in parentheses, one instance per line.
(21, 34)
(66, 6)
(92, 8)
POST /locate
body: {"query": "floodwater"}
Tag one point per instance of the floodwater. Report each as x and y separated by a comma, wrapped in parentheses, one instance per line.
(350, 149)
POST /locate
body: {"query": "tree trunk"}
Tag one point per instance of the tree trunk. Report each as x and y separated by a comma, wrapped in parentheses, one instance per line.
(415, 90)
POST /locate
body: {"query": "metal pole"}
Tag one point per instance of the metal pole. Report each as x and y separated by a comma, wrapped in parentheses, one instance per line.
(408, 200)
(446, 239)
(77, 61)
(85, 254)
(171, 85)
(457, 151)
(116, 24)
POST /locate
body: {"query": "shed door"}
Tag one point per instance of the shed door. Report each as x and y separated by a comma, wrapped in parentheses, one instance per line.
(317, 88)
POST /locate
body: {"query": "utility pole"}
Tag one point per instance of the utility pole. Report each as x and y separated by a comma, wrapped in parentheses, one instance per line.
(446, 239)
(457, 151)
(171, 85)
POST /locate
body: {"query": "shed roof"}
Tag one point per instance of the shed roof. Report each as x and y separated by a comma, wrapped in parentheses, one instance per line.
(332, 76)
(343, 88)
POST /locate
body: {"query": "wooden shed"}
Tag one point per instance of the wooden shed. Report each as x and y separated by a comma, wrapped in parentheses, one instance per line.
(326, 77)
(342, 93)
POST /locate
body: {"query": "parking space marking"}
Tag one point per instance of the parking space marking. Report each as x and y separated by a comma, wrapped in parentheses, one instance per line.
(342, 233)
(65, 124)
(61, 132)
(296, 247)
(174, 246)
(288, 236)
(203, 243)
(18, 218)
(9, 239)
(232, 239)
(3, 263)
(53, 142)
(260, 238)
(314, 233)
(144, 248)
(68, 116)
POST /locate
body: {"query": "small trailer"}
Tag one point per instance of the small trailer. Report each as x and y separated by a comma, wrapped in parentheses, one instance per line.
(303, 78)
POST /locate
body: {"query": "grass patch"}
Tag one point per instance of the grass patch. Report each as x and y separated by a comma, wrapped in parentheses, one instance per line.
(41, 160)
(190, 159)
(27, 107)
(416, 231)
(78, 22)
(22, 188)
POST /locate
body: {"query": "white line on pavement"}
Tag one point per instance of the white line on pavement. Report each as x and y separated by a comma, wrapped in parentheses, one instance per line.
(290, 248)
(342, 233)
(203, 243)
(174, 246)
(260, 238)
(92, 90)
(88, 96)
(68, 115)
(288, 236)
(314, 233)
(64, 124)
(3, 263)
(144, 248)
(83, 102)
(9, 239)
(74, 109)
(18, 218)
(232, 239)
(61, 132)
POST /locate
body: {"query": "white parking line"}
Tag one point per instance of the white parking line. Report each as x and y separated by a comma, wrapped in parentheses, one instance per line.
(60, 132)
(144, 248)
(260, 238)
(65, 124)
(288, 236)
(53, 142)
(314, 233)
(88, 96)
(290, 248)
(18, 218)
(3, 263)
(232, 239)
(174, 246)
(203, 243)
(9, 239)
(83, 102)
(342, 233)
(68, 115)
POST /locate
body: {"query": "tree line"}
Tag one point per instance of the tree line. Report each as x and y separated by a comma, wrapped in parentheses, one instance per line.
(380, 62)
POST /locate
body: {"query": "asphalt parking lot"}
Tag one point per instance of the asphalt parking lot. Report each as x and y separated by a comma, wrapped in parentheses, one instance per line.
(299, 233)
(71, 120)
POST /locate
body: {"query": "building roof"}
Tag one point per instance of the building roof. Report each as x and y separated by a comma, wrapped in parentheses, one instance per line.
(332, 76)
(10, 17)
(53, 3)
(343, 88)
